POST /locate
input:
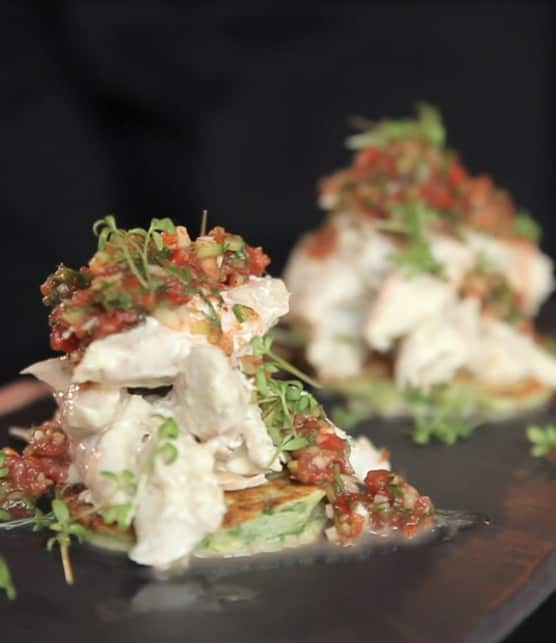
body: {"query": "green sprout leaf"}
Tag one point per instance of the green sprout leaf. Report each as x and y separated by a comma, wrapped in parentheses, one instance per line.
(525, 226)
(6, 582)
(4, 471)
(411, 221)
(542, 439)
(280, 400)
(168, 429)
(61, 511)
(168, 452)
(426, 127)
(243, 313)
(121, 514)
(135, 244)
(440, 416)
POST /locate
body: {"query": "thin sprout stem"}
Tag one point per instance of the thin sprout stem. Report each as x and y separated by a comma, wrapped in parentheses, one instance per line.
(290, 368)
(133, 267)
(66, 564)
(14, 524)
(204, 221)
(145, 254)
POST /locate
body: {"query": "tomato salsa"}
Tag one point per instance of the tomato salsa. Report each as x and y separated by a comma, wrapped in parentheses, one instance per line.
(135, 272)
(384, 502)
(406, 162)
(43, 464)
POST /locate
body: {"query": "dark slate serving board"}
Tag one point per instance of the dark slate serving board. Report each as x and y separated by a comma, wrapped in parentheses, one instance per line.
(475, 588)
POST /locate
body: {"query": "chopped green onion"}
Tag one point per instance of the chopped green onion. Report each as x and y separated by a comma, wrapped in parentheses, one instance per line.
(243, 313)
(234, 243)
(211, 249)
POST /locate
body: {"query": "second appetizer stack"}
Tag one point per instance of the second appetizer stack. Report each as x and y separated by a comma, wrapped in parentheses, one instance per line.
(423, 278)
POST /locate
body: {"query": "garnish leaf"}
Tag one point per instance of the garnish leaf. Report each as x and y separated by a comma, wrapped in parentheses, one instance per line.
(441, 416)
(6, 582)
(121, 514)
(412, 221)
(295, 443)
(60, 510)
(169, 428)
(168, 452)
(243, 313)
(542, 439)
(262, 346)
(426, 127)
(4, 471)
(525, 226)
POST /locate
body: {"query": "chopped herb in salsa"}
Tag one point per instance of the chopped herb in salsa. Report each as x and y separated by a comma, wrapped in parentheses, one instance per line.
(138, 272)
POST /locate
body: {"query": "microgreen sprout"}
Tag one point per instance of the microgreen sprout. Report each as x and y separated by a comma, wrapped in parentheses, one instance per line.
(281, 400)
(262, 347)
(3, 468)
(6, 582)
(65, 527)
(542, 439)
(525, 226)
(426, 127)
(135, 253)
(411, 221)
(439, 416)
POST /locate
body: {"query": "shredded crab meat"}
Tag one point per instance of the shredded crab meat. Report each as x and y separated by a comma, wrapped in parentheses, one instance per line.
(423, 322)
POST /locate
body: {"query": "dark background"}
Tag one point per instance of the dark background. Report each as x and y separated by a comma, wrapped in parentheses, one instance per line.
(154, 109)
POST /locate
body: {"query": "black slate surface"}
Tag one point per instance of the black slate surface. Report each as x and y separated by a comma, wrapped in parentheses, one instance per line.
(475, 588)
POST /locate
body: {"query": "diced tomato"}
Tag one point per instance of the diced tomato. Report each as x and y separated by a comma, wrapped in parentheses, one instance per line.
(367, 158)
(456, 174)
(423, 506)
(59, 341)
(180, 256)
(170, 240)
(113, 321)
(314, 468)
(148, 300)
(219, 234)
(376, 481)
(257, 260)
(29, 475)
(82, 297)
(436, 195)
(342, 504)
(331, 441)
(48, 440)
(323, 243)
(130, 282)
(235, 279)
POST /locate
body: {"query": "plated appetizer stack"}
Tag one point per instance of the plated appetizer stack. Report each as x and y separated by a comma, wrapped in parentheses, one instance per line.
(177, 433)
(422, 283)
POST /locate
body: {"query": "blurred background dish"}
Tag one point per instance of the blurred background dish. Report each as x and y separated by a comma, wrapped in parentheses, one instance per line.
(422, 282)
